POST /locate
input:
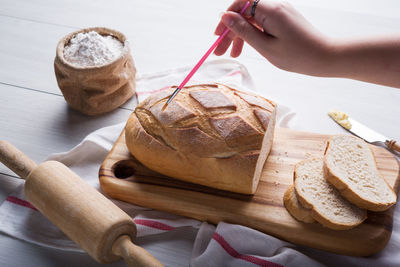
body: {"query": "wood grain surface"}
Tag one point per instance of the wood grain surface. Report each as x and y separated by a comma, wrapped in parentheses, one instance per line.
(124, 178)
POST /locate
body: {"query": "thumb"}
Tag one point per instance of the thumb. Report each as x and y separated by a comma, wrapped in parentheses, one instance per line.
(245, 30)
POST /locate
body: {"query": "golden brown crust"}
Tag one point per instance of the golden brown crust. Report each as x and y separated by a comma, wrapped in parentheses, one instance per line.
(334, 226)
(199, 141)
(294, 207)
(210, 99)
(213, 172)
(254, 100)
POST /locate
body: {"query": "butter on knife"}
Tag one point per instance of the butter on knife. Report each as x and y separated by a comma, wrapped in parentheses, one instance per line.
(362, 131)
(341, 118)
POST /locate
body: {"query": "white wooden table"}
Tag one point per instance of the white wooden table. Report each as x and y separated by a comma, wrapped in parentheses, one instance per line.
(163, 35)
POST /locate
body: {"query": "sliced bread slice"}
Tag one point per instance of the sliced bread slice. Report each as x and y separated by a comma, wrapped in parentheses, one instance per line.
(351, 168)
(294, 207)
(327, 206)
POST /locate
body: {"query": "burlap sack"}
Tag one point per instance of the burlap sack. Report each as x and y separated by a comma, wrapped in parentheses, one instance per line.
(96, 90)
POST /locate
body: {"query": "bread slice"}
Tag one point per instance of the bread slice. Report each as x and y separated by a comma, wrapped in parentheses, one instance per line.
(351, 168)
(327, 206)
(294, 207)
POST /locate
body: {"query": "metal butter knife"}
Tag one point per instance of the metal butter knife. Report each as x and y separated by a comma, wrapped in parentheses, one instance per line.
(370, 135)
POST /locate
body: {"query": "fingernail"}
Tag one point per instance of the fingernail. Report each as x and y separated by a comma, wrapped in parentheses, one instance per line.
(227, 21)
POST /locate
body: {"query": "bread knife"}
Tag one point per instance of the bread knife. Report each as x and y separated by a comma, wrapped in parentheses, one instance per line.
(370, 135)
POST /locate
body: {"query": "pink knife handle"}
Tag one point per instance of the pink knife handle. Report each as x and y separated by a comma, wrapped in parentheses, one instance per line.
(209, 51)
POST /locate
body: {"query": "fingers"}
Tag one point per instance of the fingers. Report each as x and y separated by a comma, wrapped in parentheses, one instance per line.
(236, 6)
(237, 47)
(241, 31)
(269, 15)
(244, 31)
(223, 46)
(274, 16)
(220, 28)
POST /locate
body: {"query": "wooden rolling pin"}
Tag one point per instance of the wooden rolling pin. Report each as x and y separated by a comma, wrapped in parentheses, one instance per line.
(91, 220)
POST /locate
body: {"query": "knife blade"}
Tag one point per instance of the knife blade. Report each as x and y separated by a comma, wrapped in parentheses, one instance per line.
(368, 134)
(365, 133)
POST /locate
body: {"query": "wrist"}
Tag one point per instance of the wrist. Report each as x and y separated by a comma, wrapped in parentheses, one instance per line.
(331, 59)
(324, 60)
(341, 59)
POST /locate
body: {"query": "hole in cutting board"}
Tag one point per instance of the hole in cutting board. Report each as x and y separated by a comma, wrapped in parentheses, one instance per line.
(123, 169)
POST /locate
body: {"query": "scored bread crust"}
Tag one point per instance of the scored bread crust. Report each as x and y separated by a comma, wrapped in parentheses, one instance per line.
(294, 207)
(344, 188)
(319, 217)
(210, 134)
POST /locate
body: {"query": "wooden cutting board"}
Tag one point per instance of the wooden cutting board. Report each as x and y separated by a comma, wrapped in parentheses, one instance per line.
(123, 177)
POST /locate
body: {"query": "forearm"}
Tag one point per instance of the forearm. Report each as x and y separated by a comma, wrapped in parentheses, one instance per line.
(291, 43)
(371, 60)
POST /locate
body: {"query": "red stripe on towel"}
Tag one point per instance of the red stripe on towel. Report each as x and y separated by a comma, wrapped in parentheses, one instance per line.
(20, 202)
(231, 251)
(234, 73)
(154, 224)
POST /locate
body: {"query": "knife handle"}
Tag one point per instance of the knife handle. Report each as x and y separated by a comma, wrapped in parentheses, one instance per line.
(393, 145)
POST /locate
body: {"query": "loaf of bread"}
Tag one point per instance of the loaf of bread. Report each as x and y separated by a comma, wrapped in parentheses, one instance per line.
(294, 207)
(210, 134)
(351, 168)
(326, 204)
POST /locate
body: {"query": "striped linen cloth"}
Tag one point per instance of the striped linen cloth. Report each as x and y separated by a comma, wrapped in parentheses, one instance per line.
(174, 240)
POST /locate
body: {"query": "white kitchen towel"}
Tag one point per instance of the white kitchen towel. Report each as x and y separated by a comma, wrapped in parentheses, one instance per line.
(236, 245)
(174, 240)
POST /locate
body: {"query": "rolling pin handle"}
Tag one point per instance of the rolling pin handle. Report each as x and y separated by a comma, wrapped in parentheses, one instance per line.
(133, 255)
(15, 160)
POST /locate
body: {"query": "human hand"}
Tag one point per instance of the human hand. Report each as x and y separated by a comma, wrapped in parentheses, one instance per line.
(279, 33)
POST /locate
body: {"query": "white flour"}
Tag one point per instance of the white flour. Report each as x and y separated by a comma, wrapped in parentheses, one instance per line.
(91, 49)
